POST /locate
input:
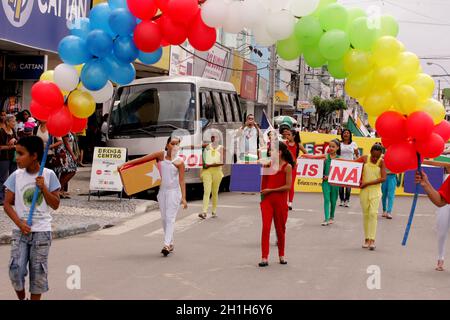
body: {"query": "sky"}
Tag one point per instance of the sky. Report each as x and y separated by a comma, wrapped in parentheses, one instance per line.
(424, 29)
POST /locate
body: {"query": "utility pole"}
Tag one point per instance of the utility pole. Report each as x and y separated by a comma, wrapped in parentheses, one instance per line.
(272, 70)
(301, 86)
(439, 91)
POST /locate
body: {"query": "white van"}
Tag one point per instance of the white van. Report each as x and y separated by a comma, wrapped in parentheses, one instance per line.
(146, 112)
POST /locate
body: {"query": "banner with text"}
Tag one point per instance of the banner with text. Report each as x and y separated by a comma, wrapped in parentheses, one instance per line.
(104, 173)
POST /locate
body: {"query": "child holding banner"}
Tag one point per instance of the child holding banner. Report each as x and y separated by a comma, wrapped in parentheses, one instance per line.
(294, 145)
(330, 193)
(30, 244)
(374, 174)
(274, 193)
(172, 190)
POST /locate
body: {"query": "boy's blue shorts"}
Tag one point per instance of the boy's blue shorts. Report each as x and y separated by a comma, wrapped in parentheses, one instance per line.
(30, 251)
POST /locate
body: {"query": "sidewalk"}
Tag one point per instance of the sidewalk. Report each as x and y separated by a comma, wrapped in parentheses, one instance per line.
(78, 215)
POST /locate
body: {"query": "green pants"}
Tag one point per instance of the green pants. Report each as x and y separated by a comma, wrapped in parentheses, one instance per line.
(330, 195)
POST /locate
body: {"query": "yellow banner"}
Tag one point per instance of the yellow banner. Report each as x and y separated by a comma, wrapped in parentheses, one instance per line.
(317, 143)
(236, 76)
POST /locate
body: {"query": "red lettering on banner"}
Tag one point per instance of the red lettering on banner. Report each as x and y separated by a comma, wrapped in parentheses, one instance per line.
(313, 170)
(192, 160)
(352, 176)
(337, 173)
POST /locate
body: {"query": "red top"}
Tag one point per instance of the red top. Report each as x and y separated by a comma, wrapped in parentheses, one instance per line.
(276, 180)
(293, 149)
(445, 190)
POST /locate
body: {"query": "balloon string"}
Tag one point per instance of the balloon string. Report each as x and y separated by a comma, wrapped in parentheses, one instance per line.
(36, 190)
(414, 204)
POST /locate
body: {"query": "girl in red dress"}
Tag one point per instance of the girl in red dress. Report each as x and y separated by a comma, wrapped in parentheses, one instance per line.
(274, 192)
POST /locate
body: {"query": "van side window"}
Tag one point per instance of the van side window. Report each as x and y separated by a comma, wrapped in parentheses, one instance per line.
(205, 104)
(218, 107)
(235, 107)
(227, 105)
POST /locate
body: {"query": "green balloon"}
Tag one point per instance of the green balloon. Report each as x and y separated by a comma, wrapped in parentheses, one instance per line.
(334, 44)
(362, 34)
(333, 16)
(308, 31)
(353, 14)
(322, 4)
(313, 57)
(290, 48)
(388, 27)
(336, 69)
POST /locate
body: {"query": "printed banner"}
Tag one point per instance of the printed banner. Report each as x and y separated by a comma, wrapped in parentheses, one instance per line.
(245, 178)
(140, 177)
(193, 158)
(310, 168)
(104, 174)
(435, 176)
(345, 174)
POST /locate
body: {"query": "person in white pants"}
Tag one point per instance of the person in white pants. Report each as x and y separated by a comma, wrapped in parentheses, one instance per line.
(442, 228)
(172, 190)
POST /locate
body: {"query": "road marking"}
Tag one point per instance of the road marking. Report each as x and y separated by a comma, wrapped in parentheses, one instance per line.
(180, 225)
(132, 224)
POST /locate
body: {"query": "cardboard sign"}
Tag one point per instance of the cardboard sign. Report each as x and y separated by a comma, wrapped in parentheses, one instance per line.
(140, 177)
(245, 178)
(310, 168)
(345, 174)
(104, 174)
(193, 158)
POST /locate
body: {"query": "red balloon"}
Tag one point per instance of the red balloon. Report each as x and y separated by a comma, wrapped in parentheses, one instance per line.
(47, 94)
(164, 43)
(443, 129)
(39, 112)
(182, 10)
(142, 9)
(391, 125)
(200, 36)
(147, 36)
(60, 123)
(172, 32)
(78, 125)
(162, 4)
(432, 147)
(419, 125)
(399, 157)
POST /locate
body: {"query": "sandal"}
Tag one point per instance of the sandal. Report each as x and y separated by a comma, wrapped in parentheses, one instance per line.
(325, 223)
(331, 221)
(366, 244)
(389, 216)
(282, 261)
(440, 266)
(171, 248)
(202, 215)
(372, 247)
(384, 215)
(263, 264)
(165, 251)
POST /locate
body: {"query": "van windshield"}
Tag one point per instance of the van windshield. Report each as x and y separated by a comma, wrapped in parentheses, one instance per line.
(153, 109)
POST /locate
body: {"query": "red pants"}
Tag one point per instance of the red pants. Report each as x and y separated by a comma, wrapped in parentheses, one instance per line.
(294, 176)
(274, 206)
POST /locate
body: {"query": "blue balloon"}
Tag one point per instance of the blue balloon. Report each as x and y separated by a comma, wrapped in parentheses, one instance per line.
(119, 73)
(80, 27)
(122, 22)
(99, 43)
(125, 50)
(152, 57)
(114, 4)
(99, 18)
(94, 74)
(73, 50)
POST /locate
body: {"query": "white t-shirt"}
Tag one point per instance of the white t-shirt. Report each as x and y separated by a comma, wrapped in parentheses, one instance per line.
(249, 141)
(348, 150)
(23, 184)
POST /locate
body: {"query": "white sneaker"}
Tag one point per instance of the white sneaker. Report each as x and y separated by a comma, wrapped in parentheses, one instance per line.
(347, 204)
(341, 204)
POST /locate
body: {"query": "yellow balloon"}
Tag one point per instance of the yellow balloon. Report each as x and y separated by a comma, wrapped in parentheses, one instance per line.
(81, 104)
(386, 51)
(408, 67)
(372, 120)
(79, 68)
(424, 85)
(47, 76)
(358, 86)
(385, 78)
(406, 99)
(435, 109)
(357, 62)
(378, 102)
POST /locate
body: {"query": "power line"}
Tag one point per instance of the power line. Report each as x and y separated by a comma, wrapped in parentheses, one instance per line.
(411, 10)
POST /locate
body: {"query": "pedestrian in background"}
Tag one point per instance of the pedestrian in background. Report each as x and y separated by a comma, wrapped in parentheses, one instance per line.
(67, 166)
(274, 193)
(172, 190)
(8, 140)
(41, 131)
(104, 130)
(30, 245)
(349, 151)
(388, 190)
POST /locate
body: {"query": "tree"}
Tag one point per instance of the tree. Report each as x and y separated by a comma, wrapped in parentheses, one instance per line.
(326, 107)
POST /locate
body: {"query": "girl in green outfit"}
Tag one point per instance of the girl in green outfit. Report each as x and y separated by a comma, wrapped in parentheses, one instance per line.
(330, 193)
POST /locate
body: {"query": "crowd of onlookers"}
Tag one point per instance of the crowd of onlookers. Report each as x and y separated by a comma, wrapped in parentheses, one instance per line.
(65, 154)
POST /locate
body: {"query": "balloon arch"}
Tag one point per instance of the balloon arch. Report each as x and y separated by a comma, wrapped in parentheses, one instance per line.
(380, 73)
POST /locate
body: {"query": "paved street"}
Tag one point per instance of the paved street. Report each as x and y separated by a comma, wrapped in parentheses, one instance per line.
(217, 258)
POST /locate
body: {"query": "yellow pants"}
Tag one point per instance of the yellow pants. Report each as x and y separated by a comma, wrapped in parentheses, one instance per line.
(370, 201)
(211, 182)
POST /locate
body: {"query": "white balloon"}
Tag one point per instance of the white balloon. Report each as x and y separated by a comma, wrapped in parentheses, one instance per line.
(253, 12)
(234, 22)
(276, 5)
(102, 95)
(262, 37)
(214, 13)
(280, 25)
(66, 77)
(301, 8)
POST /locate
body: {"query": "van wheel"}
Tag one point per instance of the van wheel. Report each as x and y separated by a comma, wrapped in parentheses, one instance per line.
(225, 184)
